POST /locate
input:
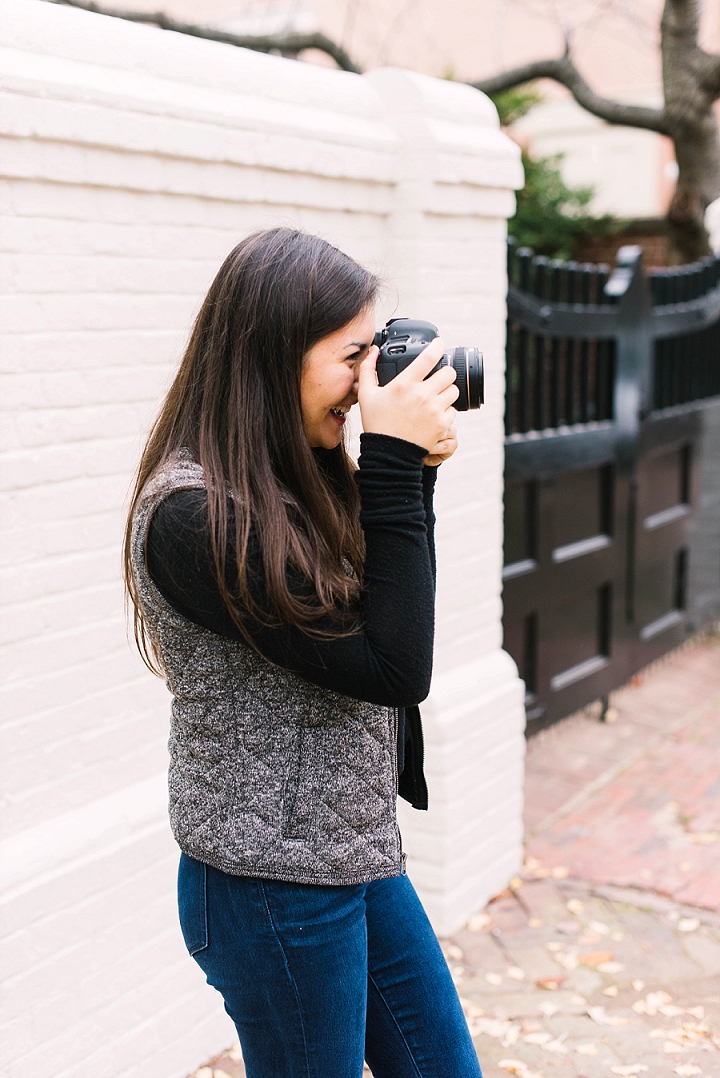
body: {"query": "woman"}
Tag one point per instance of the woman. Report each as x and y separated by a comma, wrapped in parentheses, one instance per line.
(288, 600)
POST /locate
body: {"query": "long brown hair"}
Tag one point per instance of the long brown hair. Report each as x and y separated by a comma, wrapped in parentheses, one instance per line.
(235, 405)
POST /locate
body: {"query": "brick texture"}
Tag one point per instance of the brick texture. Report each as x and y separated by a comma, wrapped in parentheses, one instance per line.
(132, 161)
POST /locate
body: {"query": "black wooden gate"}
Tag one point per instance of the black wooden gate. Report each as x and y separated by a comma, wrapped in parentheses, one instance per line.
(612, 471)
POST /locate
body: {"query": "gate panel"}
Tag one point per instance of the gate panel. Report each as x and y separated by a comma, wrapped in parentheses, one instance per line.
(612, 510)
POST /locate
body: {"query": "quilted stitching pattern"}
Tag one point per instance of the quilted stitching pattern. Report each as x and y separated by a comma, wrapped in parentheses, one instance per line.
(269, 775)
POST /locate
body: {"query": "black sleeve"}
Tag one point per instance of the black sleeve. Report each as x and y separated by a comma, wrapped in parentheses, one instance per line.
(388, 660)
(429, 477)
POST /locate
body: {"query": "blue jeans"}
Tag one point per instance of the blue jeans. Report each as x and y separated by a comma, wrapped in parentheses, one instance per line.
(316, 978)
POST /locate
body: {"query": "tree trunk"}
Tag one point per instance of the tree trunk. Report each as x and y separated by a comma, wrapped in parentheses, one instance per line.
(689, 77)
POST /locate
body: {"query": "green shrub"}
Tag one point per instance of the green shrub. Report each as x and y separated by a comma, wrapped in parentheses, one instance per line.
(551, 217)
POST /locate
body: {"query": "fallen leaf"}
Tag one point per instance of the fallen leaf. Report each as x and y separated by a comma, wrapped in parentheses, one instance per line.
(611, 967)
(478, 921)
(598, 1015)
(541, 1037)
(638, 985)
(589, 1049)
(560, 872)
(687, 1069)
(235, 1053)
(218, 1073)
(554, 946)
(652, 1003)
(670, 1010)
(632, 1069)
(515, 883)
(568, 960)
(493, 978)
(688, 924)
(595, 958)
(550, 983)
(696, 1012)
(516, 1066)
(599, 926)
(671, 1047)
(575, 906)
(548, 1009)
(454, 952)
(516, 973)
(559, 1046)
(499, 1028)
(611, 990)
(204, 1072)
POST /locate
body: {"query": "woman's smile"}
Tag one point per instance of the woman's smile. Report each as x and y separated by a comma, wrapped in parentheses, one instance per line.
(328, 387)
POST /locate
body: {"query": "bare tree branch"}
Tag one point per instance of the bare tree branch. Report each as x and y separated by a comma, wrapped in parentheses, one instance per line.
(288, 44)
(564, 71)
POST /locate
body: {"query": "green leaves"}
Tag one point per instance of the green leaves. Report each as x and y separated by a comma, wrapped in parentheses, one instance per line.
(552, 217)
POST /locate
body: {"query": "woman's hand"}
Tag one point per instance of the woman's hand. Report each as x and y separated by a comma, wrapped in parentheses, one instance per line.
(411, 407)
(443, 450)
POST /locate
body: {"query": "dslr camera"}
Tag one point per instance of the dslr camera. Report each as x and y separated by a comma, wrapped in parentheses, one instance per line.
(402, 339)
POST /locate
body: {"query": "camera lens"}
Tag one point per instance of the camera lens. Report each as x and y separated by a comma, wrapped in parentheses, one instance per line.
(468, 364)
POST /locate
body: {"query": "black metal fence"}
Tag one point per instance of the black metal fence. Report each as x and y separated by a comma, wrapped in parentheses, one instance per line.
(612, 505)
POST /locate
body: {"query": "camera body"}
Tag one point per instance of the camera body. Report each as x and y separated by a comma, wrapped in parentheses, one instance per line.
(403, 339)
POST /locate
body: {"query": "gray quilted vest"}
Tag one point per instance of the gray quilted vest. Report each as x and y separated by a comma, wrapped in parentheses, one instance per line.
(270, 775)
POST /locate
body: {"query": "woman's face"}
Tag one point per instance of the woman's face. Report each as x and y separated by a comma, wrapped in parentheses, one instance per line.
(328, 387)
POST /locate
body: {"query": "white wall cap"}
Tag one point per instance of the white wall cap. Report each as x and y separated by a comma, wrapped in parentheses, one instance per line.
(438, 99)
(451, 124)
(60, 79)
(49, 29)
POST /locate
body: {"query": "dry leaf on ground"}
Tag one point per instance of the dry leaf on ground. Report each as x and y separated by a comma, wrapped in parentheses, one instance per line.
(595, 958)
(516, 1066)
(598, 1015)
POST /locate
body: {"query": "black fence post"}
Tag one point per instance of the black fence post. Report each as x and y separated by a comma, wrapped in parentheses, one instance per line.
(634, 350)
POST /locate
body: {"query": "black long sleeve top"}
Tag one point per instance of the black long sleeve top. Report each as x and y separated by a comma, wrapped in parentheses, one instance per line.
(388, 658)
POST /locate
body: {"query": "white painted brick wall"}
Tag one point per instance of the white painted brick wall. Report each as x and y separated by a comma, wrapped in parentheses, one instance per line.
(132, 161)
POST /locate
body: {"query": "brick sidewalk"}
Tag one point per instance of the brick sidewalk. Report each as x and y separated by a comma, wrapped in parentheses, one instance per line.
(603, 959)
(637, 803)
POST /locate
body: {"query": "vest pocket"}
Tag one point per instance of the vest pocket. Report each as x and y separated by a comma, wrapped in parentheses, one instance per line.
(192, 903)
(299, 807)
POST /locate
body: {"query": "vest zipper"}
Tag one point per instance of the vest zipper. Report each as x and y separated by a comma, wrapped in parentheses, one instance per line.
(396, 725)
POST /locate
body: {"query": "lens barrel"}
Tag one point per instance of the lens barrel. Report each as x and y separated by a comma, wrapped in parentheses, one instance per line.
(468, 364)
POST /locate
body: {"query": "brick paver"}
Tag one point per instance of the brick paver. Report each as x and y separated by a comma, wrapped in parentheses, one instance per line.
(603, 958)
(654, 821)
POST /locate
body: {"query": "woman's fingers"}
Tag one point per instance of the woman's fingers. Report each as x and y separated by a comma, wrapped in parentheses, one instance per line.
(449, 395)
(420, 368)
